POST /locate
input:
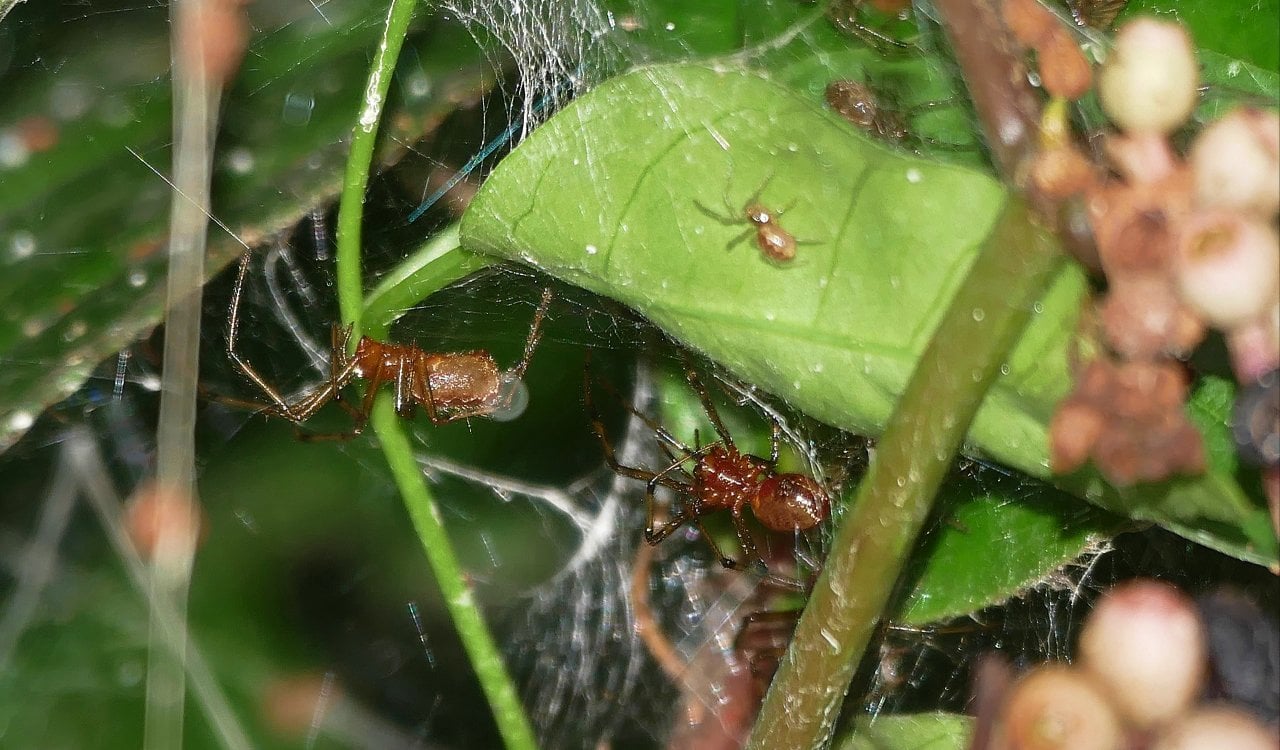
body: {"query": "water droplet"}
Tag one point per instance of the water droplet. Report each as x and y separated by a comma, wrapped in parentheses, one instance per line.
(129, 673)
(240, 161)
(514, 400)
(830, 639)
(32, 327)
(22, 244)
(70, 99)
(1005, 369)
(297, 108)
(818, 367)
(914, 175)
(13, 150)
(592, 249)
(979, 314)
(670, 26)
(770, 316)
(115, 112)
(20, 420)
(74, 331)
(419, 85)
(1037, 308)
(137, 279)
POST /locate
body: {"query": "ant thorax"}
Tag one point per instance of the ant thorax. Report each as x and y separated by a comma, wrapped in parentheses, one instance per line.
(727, 478)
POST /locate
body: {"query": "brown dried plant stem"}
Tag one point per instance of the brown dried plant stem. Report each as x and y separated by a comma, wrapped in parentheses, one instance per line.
(920, 440)
(894, 500)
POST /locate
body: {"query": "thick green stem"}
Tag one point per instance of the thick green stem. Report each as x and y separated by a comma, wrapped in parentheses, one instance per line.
(920, 441)
(483, 653)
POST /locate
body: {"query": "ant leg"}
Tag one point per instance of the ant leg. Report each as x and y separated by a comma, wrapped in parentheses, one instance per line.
(281, 406)
(755, 197)
(725, 560)
(845, 17)
(535, 335)
(654, 533)
(775, 441)
(597, 426)
(707, 406)
(728, 219)
(323, 395)
(752, 553)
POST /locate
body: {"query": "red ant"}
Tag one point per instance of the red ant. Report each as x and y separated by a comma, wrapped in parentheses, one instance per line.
(448, 385)
(722, 478)
(776, 243)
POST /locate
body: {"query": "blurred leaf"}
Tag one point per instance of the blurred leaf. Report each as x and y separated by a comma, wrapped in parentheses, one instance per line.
(1246, 31)
(909, 732)
(83, 220)
(615, 194)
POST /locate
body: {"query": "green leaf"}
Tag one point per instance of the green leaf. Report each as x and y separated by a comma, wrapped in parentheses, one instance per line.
(1245, 31)
(938, 731)
(83, 223)
(622, 191)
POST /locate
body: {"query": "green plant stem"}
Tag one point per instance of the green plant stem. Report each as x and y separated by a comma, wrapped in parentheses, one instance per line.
(355, 180)
(483, 653)
(485, 658)
(892, 503)
(439, 262)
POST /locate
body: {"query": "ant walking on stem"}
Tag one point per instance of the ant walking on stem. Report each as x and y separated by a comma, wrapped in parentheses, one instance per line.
(447, 385)
(721, 478)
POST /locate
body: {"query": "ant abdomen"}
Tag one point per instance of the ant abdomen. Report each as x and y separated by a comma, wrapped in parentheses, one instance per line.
(790, 502)
(464, 380)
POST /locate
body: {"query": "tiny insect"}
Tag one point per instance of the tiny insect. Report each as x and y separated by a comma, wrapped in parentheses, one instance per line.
(447, 385)
(721, 478)
(856, 102)
(775, 243)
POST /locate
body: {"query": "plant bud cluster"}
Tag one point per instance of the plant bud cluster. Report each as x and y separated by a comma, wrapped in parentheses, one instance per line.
(1142, 667)
(1187, 242)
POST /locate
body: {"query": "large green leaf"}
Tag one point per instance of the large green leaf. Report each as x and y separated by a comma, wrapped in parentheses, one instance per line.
(616, 194)
(83, 223)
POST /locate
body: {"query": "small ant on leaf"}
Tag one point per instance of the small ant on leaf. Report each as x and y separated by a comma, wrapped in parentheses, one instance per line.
(776, 243)
(721, 478)
(447, 385)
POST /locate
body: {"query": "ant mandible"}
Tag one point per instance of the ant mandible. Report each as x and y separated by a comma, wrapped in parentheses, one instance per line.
(722, 478)
(447, 385)
(776, 243)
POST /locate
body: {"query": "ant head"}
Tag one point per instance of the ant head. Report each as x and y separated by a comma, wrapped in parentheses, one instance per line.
(790, 502)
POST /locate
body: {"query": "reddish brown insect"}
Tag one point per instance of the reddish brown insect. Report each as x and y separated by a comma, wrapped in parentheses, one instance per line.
(856, 102)
(776, 243)
(447, 385)
(722, 478)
